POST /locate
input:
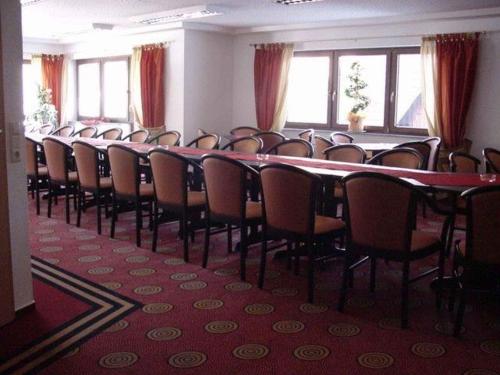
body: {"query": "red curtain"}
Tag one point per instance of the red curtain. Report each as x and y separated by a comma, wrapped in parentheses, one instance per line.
(153, 86)
(52, 69)
(456, 71)
(267, 71)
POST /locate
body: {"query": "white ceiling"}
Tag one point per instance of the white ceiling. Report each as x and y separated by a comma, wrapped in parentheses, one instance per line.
(56, 19)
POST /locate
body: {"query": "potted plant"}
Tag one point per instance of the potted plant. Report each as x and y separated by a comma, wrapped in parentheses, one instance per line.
(361, 102)
(46, 113)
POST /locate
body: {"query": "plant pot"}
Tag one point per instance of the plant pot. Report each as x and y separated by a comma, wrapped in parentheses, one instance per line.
(355, 123)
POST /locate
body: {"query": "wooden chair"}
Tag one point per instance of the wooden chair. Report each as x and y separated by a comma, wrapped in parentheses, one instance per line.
(87, 132)
(293, 147)
(339, 137)
(289, 199)
(139, 136)
(380, 214)
(114, 134)
(227, 203)
(247, 145)
(462, 162)
(170, 138)
(46, 129)
(435, 145)
(205, 142)
(491, 160)
(477, 259)
(320, 145)
(170, 179)
(37, 173)
(127, 186)
(398, 158)
(423, 148)
(307, 135)
(65, 131)
(202, 132)
(346, 153)
(269, 139)
(87, 158)
(58, 155)
(244, 131)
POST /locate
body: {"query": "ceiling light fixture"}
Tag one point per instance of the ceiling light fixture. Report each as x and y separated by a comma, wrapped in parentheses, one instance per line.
(26, 3)
(294, 2)
(177, 15)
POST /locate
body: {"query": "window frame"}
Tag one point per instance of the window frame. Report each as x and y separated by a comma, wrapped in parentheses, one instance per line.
(389, 127)
(101, 62)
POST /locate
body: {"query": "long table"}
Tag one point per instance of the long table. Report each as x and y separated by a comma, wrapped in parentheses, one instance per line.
(439, 180)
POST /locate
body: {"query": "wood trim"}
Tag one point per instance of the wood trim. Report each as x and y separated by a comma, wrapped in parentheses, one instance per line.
(7, 310)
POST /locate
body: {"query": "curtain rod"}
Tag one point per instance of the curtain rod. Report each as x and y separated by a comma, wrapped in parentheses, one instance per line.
(159, 44)
(255, 45)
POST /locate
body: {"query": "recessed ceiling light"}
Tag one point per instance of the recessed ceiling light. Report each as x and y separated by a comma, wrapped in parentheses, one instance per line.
(294, 2)
(177, 15)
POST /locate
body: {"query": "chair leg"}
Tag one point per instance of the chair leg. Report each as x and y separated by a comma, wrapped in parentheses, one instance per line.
(49, 209)
(98, 204)
(243, 252)
(79, 209)
(373, 273)
(345, 281)
(404, 294)
(138, 223)
(156, 223)
(207, 243)
(229, 239)
(66, 203)
(36, 190)
(114, 216)
(310, 271)
(439, 291)
(185, 237)
(262, 267)
(461, 309)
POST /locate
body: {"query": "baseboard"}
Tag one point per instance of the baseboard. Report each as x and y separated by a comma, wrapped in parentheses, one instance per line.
(26, 308)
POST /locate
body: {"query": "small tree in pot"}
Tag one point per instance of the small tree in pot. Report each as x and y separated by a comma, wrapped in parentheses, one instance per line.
(361, 102)
(46, 113)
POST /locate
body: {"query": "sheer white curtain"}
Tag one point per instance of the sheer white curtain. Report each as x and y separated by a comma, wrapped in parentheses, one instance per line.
(429, 86)
(280, 112)
(135, 85)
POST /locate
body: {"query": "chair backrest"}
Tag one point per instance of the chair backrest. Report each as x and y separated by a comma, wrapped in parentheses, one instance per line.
(114, 134)
(201, 132)
(492, 160)
(87, 132)
(293, 147)
(124, 164)
(170, 138)
(31, 157)
(483, 221)
(320, 145)
(289, 197)
(226, 186)
(307, 135)
(87, 164)
(46, 129)
(170, 172)
(206, 142)
(380, 211)
(244, 131)
(347, 153)
(269, 139)
(65, 131)
(435, 144)
(462, 162)
(423, 148)
(56, 155)
(339, 137)
(399, 158)
(247, 145)
(140, 136)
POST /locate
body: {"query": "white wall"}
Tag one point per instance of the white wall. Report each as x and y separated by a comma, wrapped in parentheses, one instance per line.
(208, 83)
(483, 124)
(10, 14)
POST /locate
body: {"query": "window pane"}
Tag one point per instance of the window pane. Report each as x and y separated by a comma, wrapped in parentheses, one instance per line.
(89, 93)
(31, 80)
(409, 110)
(116, 89)
(373, 73)
(308, 89)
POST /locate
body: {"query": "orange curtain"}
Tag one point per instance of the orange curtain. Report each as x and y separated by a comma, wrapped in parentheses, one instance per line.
(267, 72)
(456, 71)
(153, 86)
(52, 74)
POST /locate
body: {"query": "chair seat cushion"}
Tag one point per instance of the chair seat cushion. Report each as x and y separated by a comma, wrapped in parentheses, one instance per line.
(325, 224)
(339, 192)
(422, 240)
(253, 210)
(73, 176)
(105, 182)
(146, 190)
(43, 170)
(196, 198)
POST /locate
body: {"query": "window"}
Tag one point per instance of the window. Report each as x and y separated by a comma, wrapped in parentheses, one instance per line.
(318, 81)
(103, 89)
(31, 80)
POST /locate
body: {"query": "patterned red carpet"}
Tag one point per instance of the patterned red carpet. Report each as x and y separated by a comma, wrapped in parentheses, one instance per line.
(153, 314)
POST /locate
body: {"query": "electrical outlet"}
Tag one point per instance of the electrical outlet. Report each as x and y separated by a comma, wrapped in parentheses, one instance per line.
(14, 142)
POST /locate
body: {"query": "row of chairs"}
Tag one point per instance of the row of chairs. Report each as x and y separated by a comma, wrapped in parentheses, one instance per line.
(463, 162)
